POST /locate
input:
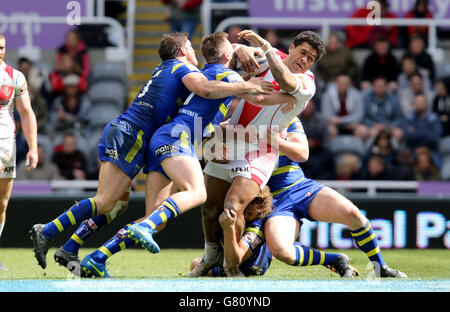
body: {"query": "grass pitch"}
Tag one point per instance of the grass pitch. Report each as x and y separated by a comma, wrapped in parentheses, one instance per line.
(174, 264)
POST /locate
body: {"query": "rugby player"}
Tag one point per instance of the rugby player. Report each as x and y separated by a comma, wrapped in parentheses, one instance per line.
(172, 150)
(13, 93)
(234, 184)
(125, 139)
(248, 254)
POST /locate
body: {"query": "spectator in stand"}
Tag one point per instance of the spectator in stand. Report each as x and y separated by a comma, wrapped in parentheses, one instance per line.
(45, 170)
(382, 146)
(382, 111)
(338, 60)
(70, 110)
(233, 37)
(272, 36)
(441, 104)
(347, 167)
(381, 62)
(366, 36)
(75, 47)
(183, 15)
(404, 165)
(38, 102)
(343, 107)
(70, 160)
(406, 96)
(320, 164)
(64, 67)
(420, 10)
(409, 67)
(376, 169)
(421, 126)
(424, 61)
(425, 168)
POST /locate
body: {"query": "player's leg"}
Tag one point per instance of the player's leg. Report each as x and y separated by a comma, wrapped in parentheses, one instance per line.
(281, 232)
(5, 194)
(157, 189)
(330, 206)
(186, 173)
(113, 183)
(216, 190)
(69, 251)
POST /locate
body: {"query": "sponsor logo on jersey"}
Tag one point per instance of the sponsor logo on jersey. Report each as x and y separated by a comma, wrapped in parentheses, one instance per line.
(112, 153)
(7, 169)
(6, 92)
(162, 150)
(240, 169)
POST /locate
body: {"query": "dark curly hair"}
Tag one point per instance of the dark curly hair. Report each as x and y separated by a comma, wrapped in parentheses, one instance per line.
(313, 40)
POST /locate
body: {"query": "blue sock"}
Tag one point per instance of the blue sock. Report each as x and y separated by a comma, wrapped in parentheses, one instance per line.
(166, 211)
(82, 210)
(306, 256)
(367, 242)
(118, 242)
(84, 231)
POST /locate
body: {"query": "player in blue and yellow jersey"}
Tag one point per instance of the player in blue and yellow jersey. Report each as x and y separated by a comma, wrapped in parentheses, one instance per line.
(249, 255)
(297, 197)
(124, 141)
(172, 151)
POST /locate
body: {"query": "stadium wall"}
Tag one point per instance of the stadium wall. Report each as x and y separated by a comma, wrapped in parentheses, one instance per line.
(406, 221)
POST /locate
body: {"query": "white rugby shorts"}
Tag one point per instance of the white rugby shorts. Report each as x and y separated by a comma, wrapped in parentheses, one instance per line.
(257, 166)
(8, 158)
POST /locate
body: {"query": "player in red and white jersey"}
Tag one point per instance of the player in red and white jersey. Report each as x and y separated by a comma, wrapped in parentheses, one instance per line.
(13, 94)
(234, 184)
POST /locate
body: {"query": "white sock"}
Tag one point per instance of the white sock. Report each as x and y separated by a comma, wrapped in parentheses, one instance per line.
(211, 252)
(2, 225)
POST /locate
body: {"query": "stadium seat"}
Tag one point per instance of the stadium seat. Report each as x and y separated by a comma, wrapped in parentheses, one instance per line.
(445, 171)
(112, 92)
(443, 70)
(444, 146)
(108, 71)
(347, 144)
(47, 144)
(102, 113)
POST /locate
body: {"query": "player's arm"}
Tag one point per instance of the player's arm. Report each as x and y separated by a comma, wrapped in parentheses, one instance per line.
(295, 147)
(284, 77)
(235, 249)
(28, 123)
(211, 89)
(247, 58)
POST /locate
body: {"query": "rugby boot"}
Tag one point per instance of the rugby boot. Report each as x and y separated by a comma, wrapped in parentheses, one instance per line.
(69, 260)
(342, 266)
(143, 235)
(201, 269)
(92, 268)
(386, 271)
(41, 244)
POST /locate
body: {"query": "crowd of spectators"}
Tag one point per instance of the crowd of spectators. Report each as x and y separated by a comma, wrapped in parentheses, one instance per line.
(397, 108)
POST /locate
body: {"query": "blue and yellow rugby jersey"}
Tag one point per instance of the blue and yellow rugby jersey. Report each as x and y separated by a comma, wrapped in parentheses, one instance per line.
(206, 109)
(160, 98)
(288, 172)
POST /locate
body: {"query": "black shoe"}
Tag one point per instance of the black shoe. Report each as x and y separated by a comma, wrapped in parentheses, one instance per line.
(69, 260)
(41, 244)
(386, 271)
(342, 266)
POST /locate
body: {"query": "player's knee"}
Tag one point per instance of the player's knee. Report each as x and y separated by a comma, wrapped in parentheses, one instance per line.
(354, 218)
(3, 205)
(281, 253)
(210, 211)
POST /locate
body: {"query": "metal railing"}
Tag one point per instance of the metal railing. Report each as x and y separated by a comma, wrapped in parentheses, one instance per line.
(370, 188)
(122, 52)
(325, 24)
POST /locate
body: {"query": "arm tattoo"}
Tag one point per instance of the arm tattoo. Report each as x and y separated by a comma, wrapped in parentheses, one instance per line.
(277, 67)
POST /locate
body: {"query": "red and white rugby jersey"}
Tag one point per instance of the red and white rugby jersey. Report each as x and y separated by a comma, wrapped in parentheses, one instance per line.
(249, 114)
(13, 85)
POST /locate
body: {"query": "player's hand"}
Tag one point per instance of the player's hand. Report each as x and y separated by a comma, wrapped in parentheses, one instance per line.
(227, 219)
(257, 85)
(31, 160)
(252, 37)
(246, 56)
